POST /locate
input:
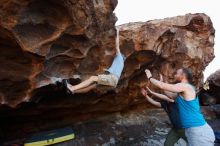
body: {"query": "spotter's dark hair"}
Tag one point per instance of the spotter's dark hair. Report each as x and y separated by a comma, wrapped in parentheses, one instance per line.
(188, 74)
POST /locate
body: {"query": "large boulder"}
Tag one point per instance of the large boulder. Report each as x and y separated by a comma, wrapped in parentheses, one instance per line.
(211, 94)
(45, 41)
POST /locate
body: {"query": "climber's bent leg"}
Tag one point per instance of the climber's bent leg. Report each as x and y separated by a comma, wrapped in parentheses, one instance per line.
(86, 89)
(83, 84)
(108, 80)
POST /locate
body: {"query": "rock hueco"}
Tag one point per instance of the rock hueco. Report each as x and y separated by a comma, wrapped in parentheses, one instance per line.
(211, 95)
(44, 41)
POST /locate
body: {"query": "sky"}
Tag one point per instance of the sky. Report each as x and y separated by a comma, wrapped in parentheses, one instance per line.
(144, 10)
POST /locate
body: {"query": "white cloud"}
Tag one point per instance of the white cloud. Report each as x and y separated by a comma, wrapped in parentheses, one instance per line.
(143, 10)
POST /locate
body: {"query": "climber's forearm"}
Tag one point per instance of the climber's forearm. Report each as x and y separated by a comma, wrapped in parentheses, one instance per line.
(177, 88)
(155, 103)
(162, 96)
(156, 83)
(117, 44)
(170, 94)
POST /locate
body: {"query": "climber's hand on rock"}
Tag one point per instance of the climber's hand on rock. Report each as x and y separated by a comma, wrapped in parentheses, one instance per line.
(148, 89)
(148, 73)
(161, 78)
(143, 92)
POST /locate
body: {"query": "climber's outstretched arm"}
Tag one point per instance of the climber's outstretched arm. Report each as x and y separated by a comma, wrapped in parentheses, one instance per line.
(161, 96)
(117, 44)
(86, 89)
(170, 94)
(155, 103)
(82, 85)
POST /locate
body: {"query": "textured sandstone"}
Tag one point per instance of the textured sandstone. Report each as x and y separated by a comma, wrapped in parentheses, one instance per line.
(42, 41)
(34, 59)
(45, 41)
(211, 96)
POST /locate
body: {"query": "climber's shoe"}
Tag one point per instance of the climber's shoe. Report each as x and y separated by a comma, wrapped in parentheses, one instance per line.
(65, 84)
